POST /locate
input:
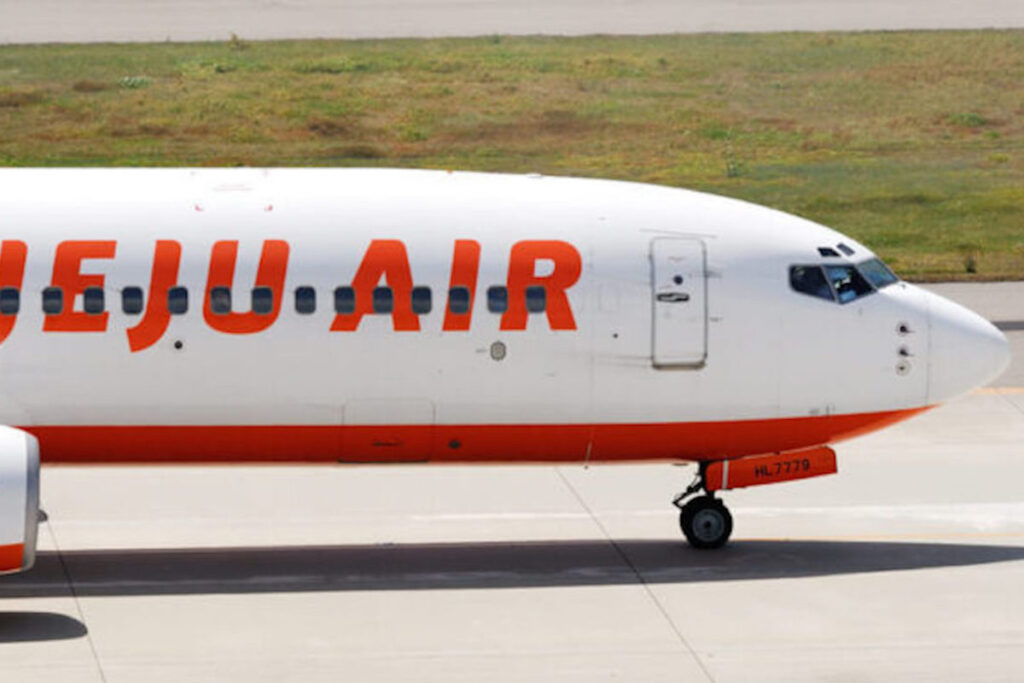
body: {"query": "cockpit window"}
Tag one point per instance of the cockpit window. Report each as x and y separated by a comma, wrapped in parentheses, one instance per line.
(877, 273)
(810, 280)
(848, 283)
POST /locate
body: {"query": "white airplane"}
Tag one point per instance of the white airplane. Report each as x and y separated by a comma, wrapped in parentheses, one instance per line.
(371, 316)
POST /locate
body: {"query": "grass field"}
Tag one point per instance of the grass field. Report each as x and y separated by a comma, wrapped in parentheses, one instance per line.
(912, 142)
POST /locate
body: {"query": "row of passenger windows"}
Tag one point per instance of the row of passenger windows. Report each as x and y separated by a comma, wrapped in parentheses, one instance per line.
(262, 300)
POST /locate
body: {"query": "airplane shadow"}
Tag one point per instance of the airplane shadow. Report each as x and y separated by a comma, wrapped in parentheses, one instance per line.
(32, 627)
(193, 571)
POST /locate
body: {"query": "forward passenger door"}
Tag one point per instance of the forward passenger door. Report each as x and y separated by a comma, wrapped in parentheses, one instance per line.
(679, 299)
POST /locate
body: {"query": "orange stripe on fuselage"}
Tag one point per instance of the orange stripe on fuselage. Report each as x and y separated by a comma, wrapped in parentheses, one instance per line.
(452, 443)
(11, 557)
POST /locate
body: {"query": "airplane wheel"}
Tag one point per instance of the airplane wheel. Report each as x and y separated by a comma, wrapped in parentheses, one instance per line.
(706, 523)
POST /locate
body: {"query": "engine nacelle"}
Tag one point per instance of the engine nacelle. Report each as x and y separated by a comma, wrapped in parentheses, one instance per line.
(19, 499)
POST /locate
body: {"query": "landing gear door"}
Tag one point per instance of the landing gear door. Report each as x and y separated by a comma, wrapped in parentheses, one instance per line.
(679, 283)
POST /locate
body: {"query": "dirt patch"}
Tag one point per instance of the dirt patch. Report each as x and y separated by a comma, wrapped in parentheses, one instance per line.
(20, 98)
(90, 86)
(554, 122)
(328, 128)
(355, 151)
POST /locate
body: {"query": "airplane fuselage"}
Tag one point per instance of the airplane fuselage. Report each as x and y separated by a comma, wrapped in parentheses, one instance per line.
(393, 316)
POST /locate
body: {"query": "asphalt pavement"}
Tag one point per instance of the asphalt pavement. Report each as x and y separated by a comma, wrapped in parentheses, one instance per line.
(46, 21)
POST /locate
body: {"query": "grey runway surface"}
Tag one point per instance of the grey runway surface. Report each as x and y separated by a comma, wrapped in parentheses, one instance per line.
(41, 21)
(905, 566)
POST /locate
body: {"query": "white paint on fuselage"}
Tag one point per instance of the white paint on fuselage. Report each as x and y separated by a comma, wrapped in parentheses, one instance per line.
(771, 351)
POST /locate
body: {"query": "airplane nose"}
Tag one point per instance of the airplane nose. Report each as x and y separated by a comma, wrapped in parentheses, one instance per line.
(967, 351)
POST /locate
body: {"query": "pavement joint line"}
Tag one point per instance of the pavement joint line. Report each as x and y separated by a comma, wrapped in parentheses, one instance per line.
(636, 572)
(998, 391)
(1006, 398)
(74, 596)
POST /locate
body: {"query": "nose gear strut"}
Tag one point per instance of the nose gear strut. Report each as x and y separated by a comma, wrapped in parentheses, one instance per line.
(704, 520)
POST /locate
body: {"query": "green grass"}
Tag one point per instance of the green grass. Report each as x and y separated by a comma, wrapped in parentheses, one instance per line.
(912, 142)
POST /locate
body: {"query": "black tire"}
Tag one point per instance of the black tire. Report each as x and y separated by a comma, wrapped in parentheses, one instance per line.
(706, 523)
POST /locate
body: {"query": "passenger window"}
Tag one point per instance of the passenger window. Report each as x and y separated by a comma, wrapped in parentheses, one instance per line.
(536, 298)
(383, 300)
(344, 300)
(53, 300)
(458, 300)
(422, 300)
(305, 300)
(131, 300)
(497, 299)
(220, 300)
(262, 300)
(810, 280)
(93, 300)
(10, 300)
(848, 283)
(177, 300)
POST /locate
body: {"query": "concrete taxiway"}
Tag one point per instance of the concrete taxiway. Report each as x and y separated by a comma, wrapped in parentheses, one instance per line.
(42, 21)
(907, 565)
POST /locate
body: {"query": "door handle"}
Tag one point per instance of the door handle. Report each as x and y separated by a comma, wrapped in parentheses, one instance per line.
(673, 297)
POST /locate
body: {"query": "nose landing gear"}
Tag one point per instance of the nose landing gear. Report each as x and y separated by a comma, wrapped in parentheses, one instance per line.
(704, 520)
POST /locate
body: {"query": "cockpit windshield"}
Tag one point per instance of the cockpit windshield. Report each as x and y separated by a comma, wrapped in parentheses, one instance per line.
(840, 282)
(847, 283)
(877, 273)
(810, 280)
